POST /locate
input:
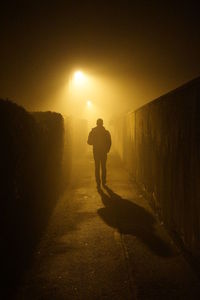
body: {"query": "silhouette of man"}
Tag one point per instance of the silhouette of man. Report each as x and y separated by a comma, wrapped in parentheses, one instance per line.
(100, 139)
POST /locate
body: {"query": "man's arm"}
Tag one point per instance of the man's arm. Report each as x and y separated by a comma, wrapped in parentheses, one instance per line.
(109, 142)
(90, 138)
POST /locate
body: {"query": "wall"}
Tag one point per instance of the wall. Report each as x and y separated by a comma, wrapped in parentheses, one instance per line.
(160, 145)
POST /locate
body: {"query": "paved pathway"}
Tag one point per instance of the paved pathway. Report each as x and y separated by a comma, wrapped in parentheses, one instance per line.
(106, 245)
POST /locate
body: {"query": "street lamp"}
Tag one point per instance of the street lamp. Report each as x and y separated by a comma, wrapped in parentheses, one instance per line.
(89, 104)
(79, 78)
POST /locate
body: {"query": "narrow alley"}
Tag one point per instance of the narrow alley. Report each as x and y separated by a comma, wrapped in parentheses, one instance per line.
(100, 150)
(106, 245)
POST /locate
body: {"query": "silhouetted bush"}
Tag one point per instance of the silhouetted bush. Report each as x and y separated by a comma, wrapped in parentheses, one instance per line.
(31, 169)
(49, 152)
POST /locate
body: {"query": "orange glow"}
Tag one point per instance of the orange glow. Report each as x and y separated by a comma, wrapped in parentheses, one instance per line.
(88, 95)
(79, 78)
(89, 104)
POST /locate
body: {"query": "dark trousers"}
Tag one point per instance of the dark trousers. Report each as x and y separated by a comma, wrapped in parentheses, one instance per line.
(100, 163)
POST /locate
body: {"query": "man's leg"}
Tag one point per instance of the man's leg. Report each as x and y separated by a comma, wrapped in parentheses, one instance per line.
(103, 168)
(97, 169)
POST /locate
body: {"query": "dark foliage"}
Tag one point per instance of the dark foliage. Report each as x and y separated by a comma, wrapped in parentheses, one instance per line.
(31, 163)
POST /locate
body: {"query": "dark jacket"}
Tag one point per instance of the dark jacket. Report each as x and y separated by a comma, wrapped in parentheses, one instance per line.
(100, 138)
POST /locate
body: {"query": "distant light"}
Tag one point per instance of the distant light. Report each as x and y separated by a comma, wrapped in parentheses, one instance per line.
(79, 77)
(89, 103)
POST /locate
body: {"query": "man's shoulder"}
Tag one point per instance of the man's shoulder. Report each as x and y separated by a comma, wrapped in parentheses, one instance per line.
(96, 129)
(100, 130)
(93, 129)
(107, 131)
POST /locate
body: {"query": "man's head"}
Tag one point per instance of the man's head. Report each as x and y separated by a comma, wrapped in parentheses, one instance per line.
(99, 122)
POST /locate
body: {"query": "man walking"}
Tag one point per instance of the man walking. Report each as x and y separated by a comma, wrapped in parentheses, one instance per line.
(100, 138)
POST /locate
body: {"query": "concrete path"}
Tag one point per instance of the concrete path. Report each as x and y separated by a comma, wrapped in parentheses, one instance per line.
(106, 245)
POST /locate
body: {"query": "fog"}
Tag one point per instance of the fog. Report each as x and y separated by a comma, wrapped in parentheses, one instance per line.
(131, 52)
(88, 60)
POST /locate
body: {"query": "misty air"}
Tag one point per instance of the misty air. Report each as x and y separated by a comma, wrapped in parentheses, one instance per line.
(100, 131)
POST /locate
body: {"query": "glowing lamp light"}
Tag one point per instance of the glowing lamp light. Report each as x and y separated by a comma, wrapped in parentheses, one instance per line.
(89, 104)
(79, 77)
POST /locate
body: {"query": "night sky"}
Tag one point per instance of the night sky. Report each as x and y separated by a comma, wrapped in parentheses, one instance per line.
(144, 48)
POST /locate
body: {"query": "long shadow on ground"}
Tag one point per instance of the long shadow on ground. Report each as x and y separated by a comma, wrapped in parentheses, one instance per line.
(129, 218)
